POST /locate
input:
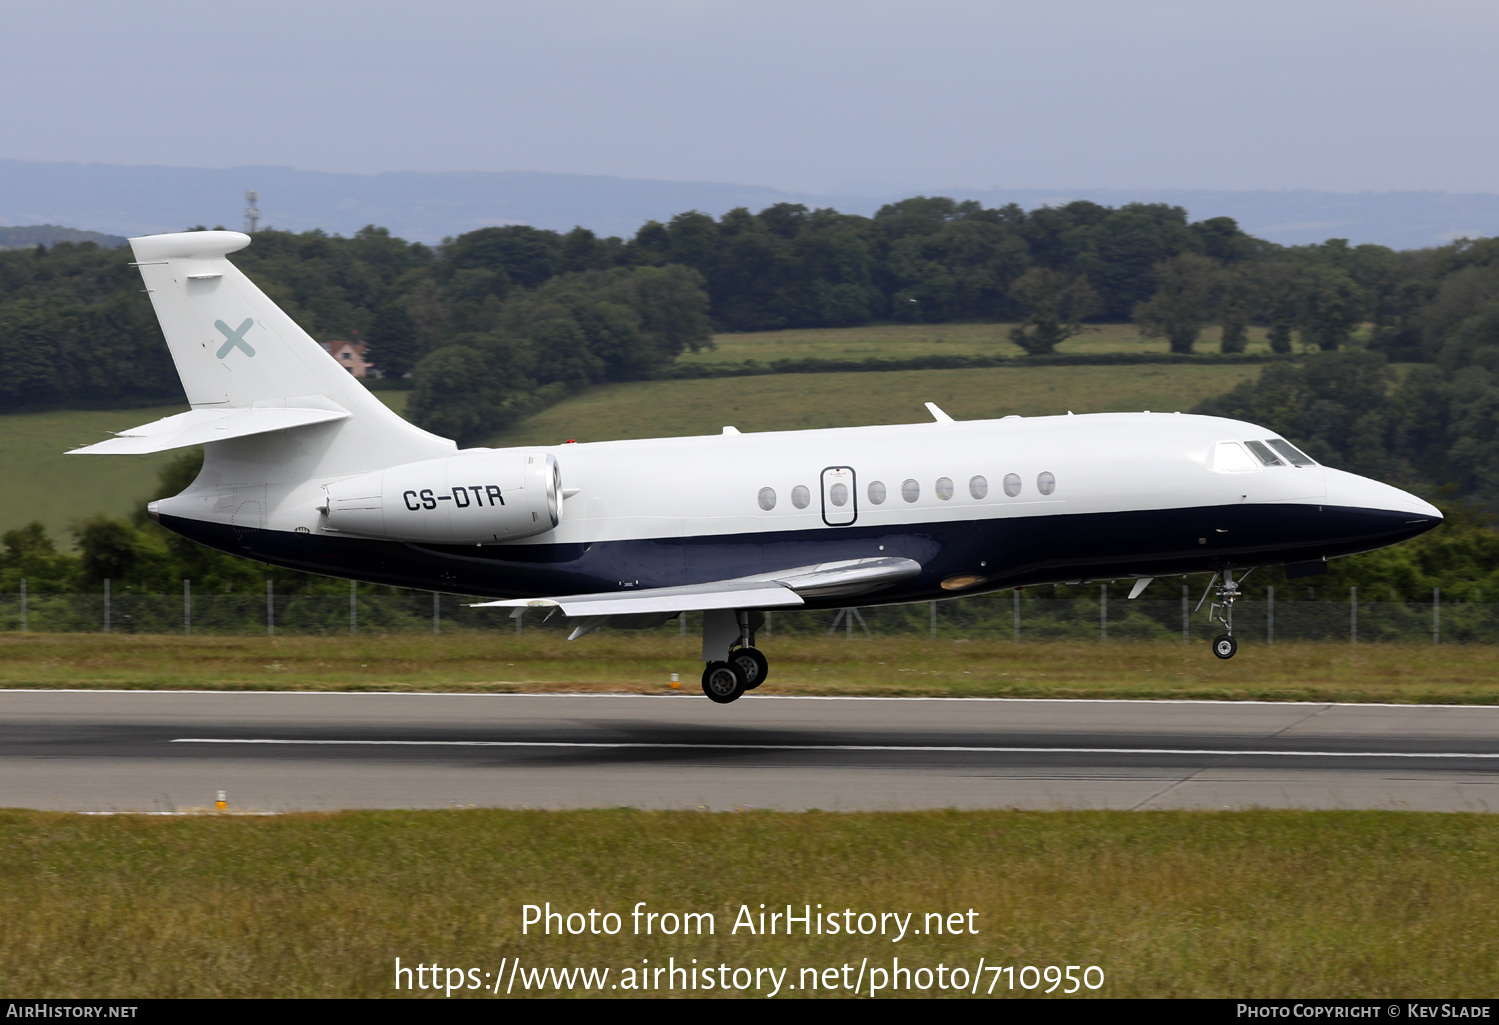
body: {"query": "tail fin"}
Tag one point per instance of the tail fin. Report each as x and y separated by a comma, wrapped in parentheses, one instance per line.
(236, 349)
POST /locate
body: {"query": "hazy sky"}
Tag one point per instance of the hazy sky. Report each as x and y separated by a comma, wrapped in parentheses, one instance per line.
(1347, 95)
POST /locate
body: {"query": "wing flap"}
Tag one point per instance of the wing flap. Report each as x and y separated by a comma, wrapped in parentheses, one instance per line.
(723, 594)
(778, 590)
(200, 426)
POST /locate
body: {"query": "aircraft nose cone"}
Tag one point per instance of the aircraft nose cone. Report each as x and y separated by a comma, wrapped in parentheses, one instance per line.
(1351, 491)
(1400, 513)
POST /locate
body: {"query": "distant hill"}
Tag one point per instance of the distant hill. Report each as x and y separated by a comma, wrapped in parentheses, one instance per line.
(426, 206)
(51, 234)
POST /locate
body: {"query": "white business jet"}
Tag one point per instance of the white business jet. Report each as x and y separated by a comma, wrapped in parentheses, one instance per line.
(304, 468)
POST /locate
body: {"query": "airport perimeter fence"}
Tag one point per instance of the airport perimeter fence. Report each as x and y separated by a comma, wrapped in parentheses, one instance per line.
(1031, 615)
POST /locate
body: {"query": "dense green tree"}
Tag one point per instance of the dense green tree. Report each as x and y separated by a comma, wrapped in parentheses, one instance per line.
(1233, 310)
(1055, 306)
(525, 256)
(459, 394)
(393, 347)
(1332, 305)
(1182, 303)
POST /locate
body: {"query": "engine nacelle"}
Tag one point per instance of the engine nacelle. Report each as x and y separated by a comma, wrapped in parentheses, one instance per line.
(479, 498)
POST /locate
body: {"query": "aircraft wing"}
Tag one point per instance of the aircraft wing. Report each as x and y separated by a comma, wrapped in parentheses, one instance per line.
(781, 589)
(197, 426)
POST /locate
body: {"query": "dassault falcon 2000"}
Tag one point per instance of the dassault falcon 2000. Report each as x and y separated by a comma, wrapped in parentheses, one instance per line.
(305, 468)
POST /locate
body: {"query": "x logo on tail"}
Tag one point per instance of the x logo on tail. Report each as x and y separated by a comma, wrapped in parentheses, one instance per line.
(234, 339)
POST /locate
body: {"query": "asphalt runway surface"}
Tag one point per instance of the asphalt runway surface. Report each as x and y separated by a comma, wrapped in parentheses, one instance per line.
(172, 751)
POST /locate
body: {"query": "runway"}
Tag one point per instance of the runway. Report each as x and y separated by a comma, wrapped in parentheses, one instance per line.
(172, 751)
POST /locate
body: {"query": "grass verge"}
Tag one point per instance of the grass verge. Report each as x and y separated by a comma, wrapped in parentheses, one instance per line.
(643, 663)
(1243, 904)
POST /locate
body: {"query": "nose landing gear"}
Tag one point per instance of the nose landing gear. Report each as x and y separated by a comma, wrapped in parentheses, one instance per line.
(1225, 591)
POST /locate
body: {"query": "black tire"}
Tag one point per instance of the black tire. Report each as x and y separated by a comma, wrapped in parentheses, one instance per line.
(723, 682)
(752, 664)
(1224, 646)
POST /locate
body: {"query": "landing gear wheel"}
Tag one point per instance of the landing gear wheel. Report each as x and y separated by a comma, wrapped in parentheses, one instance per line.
(752, 664)
(1224, 646)
(723, 682)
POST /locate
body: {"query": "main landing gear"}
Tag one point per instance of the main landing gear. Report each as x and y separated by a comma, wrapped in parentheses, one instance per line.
(1225, 591)
(744, 667)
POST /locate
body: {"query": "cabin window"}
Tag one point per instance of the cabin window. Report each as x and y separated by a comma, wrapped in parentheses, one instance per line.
(1231, 457)
(800, 496)
(1263, 454)
(1291, 452)
(910, 491)
(1046, 483)
(944, 488)
(1012, 484)
(876, 492)
(767, 499)
(838, 494)
(978, 487)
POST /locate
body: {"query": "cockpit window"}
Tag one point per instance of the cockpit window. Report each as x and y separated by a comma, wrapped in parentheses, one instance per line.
(1291, 452)
(1263, 454)
(1230, 457)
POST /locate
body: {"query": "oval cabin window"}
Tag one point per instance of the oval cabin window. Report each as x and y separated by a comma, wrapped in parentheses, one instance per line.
(910, 491)
(1012, 484)
(838, 494)
(876, 492)
(767, 499)
(1046, 483)
(944, 488)
(800, 496)
(978, 487)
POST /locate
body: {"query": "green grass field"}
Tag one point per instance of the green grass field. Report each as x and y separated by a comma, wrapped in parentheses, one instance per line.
(1223, 904)
(43, 484)
(650, 409)
(907, 341)
(643, 663)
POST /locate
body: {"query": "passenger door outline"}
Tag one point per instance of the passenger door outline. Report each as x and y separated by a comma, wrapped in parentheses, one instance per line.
(832, 514)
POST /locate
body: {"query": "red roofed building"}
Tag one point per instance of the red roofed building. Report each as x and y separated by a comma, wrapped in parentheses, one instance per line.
(350, 356)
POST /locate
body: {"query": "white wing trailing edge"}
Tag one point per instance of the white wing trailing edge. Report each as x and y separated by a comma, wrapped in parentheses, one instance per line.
(200, 426)
(782, 589)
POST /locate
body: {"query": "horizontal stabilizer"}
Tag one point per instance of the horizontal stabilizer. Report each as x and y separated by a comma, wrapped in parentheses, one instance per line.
(199, 426)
